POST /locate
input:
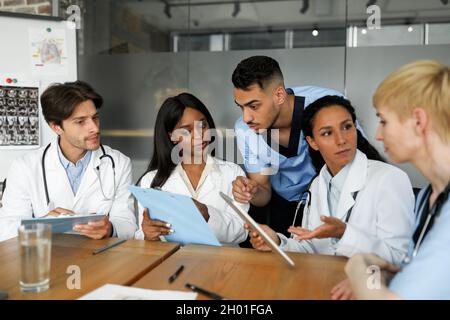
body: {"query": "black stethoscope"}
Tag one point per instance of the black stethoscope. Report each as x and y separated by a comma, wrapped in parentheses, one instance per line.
(97, 171)
(432, 216)
(305, 202)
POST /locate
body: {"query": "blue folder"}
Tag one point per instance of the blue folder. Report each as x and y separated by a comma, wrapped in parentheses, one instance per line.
(180, 211)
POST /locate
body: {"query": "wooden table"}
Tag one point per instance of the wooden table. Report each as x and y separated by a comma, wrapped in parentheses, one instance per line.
(237, 273)
(123, 264)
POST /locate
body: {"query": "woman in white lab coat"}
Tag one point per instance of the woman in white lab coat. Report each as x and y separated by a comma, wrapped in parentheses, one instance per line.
(356, 204)
(182, 164)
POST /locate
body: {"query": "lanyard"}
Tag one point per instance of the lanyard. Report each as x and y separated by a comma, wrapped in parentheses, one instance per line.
(349, 212)
(427, 217)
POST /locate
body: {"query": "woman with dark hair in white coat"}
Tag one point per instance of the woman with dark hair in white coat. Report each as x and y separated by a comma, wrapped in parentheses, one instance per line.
(184, 124)
(356, 204)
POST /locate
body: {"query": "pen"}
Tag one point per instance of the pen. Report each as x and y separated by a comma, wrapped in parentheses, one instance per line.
(207, 293)
(176, 274)
(109, 246)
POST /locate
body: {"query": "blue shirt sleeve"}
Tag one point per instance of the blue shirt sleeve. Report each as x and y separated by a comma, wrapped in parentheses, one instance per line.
(427, 276)
(249, 145)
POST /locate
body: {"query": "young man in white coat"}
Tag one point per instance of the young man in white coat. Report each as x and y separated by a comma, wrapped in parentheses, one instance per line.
(74, 174)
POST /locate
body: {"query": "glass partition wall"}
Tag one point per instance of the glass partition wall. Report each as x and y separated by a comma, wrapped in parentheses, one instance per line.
(384, 35)
(138, 52)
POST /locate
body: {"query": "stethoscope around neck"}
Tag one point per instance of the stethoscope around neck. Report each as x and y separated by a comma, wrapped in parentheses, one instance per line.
(305, 202)
(432, 216)
(97, 171)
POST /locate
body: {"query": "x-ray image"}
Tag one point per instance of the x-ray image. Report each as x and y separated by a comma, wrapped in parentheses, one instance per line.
(19, 116)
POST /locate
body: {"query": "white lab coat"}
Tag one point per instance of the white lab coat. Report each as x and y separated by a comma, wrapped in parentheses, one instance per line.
(25, 194)
(382, 218)
(227, 226)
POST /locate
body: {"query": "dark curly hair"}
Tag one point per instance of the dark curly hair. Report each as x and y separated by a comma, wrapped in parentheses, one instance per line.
(258, 70)
(309, 115)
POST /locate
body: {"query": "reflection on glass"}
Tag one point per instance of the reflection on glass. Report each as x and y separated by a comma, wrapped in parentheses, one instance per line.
(398, 22)
(136, 53)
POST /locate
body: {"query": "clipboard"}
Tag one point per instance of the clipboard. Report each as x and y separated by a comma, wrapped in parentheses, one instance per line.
(178, 210)
(248, 219)
(61, 224)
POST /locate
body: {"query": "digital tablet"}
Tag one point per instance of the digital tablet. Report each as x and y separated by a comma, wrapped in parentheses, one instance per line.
(64, 223)
(255, 226)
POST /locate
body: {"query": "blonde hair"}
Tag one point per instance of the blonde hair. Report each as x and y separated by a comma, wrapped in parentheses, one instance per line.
(422, 84)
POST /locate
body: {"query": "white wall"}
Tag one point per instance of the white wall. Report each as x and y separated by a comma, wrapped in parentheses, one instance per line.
(15, 60)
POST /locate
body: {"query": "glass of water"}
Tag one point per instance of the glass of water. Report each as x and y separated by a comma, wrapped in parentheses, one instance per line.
(35, 251)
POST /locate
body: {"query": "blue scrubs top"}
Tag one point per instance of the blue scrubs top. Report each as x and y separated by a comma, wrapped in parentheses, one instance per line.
(290, 172)
(427, 275)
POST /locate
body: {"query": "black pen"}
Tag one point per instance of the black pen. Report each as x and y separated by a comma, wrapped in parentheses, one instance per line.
(109, 246)
(176, 274)
(207, 293)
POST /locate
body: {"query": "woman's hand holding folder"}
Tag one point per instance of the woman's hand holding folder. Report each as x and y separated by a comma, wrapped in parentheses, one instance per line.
(153, 229)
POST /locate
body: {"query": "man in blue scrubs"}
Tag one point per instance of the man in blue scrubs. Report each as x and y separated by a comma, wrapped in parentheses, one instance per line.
(277, 173)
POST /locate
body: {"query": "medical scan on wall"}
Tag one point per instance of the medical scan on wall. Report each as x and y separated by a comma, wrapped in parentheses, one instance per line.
(19, 116)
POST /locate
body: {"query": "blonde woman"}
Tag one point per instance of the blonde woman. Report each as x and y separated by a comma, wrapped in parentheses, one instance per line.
(413, 105)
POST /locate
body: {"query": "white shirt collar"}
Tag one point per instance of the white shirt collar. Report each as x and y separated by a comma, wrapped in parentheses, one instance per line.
(210, 166)
(338, 180)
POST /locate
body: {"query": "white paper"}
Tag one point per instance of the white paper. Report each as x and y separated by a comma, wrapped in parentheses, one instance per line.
(48, 52)
(117, 292)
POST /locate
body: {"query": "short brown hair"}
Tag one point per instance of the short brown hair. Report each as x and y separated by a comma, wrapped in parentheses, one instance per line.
(422, 84)
(59, 100)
